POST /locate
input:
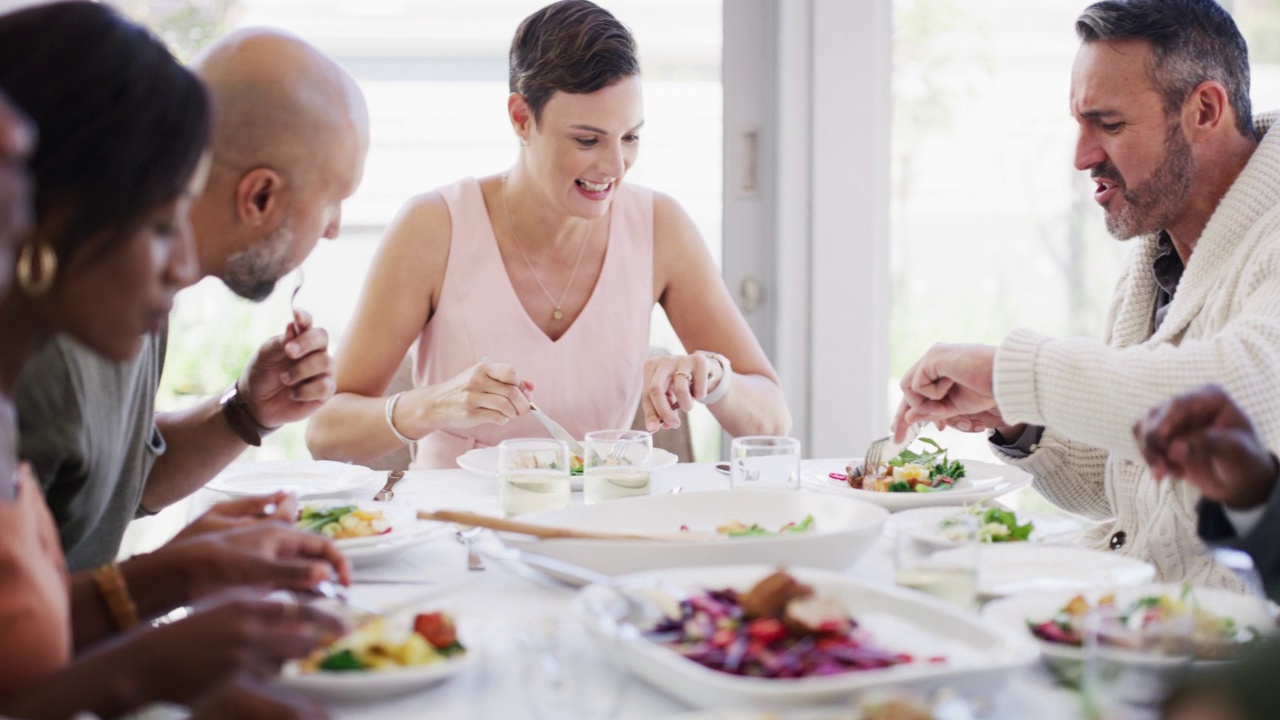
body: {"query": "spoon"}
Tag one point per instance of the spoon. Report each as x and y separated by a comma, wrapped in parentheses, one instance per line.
(723, 468)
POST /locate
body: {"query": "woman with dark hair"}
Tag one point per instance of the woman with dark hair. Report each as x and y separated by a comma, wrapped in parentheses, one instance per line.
(545, 277)
(122, 131)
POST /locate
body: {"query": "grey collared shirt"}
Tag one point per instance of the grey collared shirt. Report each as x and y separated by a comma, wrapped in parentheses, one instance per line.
(1167, 269)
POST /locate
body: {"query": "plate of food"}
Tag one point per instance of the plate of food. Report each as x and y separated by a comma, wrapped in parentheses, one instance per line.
(751, 635)
(366, 532)
(1222, 623)
(383, 656)
(727, 526)
(924, 477)
(950, 525)
(484, 461)
(304, 478)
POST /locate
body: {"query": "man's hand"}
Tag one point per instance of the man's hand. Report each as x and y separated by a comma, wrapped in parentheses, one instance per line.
(264, 554)
(280, 506)
(250, 699)
(290, 376)
(950, 381)
(1203, 437)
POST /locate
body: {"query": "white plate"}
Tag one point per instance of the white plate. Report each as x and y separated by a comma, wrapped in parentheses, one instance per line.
(1009, 568)
(982, 481)
(304, 478)
(1036, 607)
(484, 462)
(402, 519)
(376, 684)
(843, 530)
(981, 655)
(926, 523)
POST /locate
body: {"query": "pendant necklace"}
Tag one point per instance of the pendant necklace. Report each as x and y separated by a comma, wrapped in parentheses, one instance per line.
(558, 313)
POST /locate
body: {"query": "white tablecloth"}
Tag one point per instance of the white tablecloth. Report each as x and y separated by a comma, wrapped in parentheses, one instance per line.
(500, 602)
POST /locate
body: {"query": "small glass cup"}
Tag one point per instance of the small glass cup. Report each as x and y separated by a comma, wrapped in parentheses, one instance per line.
(946, 568)
(1128, 670)
(570, 673)
(764, 462)
(534, 476)
(617, 465)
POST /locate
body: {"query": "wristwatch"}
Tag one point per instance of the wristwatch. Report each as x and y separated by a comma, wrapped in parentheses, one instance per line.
(241, 419)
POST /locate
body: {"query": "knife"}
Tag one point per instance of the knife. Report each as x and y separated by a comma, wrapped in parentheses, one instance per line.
(558, 432)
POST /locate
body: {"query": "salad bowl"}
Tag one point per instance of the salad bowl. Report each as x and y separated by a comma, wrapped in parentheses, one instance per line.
(839, 531)
(950, 646)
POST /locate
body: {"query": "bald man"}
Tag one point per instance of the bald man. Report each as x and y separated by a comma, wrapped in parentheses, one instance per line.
(289, 141)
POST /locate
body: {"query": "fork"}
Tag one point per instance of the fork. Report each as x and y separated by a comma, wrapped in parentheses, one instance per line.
(293, 304)
(334, 591)
(474, 562)
(876, 454)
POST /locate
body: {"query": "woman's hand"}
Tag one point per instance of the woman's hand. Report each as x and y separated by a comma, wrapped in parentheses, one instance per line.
(484, 393)
(265, 554)
(674, 382)
(257, 637)
(281, 506)
(248, 699)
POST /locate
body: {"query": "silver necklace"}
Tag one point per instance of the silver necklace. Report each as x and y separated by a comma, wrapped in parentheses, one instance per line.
(556, 314)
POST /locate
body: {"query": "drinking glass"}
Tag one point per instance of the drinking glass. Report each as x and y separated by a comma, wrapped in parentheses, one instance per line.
(569, 672)
(617, 465)
(1130, 667)
(946, 568)
(534, 476)
(764, 462)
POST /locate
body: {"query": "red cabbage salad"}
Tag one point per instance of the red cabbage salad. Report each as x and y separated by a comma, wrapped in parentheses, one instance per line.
(777, 629)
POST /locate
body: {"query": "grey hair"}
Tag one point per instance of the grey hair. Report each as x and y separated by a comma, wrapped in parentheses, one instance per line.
(1193, 41)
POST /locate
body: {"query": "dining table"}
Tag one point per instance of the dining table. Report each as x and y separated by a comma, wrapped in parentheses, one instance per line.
(499, 605)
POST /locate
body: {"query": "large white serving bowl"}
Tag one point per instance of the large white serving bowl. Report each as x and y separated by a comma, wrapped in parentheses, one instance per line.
(843, 530)
(981, 655)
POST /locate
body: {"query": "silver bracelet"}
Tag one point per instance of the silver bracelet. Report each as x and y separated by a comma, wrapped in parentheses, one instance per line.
(726, 374)
(391, 411)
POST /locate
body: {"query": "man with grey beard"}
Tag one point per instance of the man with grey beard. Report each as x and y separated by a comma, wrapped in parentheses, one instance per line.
(289, 142)
(1160, 92)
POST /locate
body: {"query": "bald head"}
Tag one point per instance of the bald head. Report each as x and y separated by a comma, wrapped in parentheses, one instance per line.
(278, 100)
(290, 134)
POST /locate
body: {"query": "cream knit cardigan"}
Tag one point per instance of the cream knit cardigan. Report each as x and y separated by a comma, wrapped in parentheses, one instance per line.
(1222, 326)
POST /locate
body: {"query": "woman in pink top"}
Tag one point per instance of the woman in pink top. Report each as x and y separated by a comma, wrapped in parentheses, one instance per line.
(538, 283)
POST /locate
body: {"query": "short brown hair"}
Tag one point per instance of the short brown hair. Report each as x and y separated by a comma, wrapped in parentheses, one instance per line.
(572, 46)
(1193, 41)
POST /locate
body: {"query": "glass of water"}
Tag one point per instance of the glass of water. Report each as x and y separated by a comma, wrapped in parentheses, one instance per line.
(944, 567)
(617, 464)
(764, 462)
(534, 476)
(1130, 663)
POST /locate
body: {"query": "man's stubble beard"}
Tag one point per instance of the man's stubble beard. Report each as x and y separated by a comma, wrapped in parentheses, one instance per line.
(1157, 202)
(253, 273)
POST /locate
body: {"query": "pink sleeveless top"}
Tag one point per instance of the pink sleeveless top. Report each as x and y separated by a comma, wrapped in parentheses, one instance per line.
(589, 379)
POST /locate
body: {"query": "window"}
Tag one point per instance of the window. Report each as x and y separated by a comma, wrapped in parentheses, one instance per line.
(992, 226)
(434, 74)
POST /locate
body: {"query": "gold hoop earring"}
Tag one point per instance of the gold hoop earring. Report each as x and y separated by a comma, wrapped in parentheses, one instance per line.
(36, 281)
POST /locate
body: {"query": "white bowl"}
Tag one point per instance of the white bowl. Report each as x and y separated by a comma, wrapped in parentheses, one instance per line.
(844, 529)
(982, 655)
(1010, 568)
